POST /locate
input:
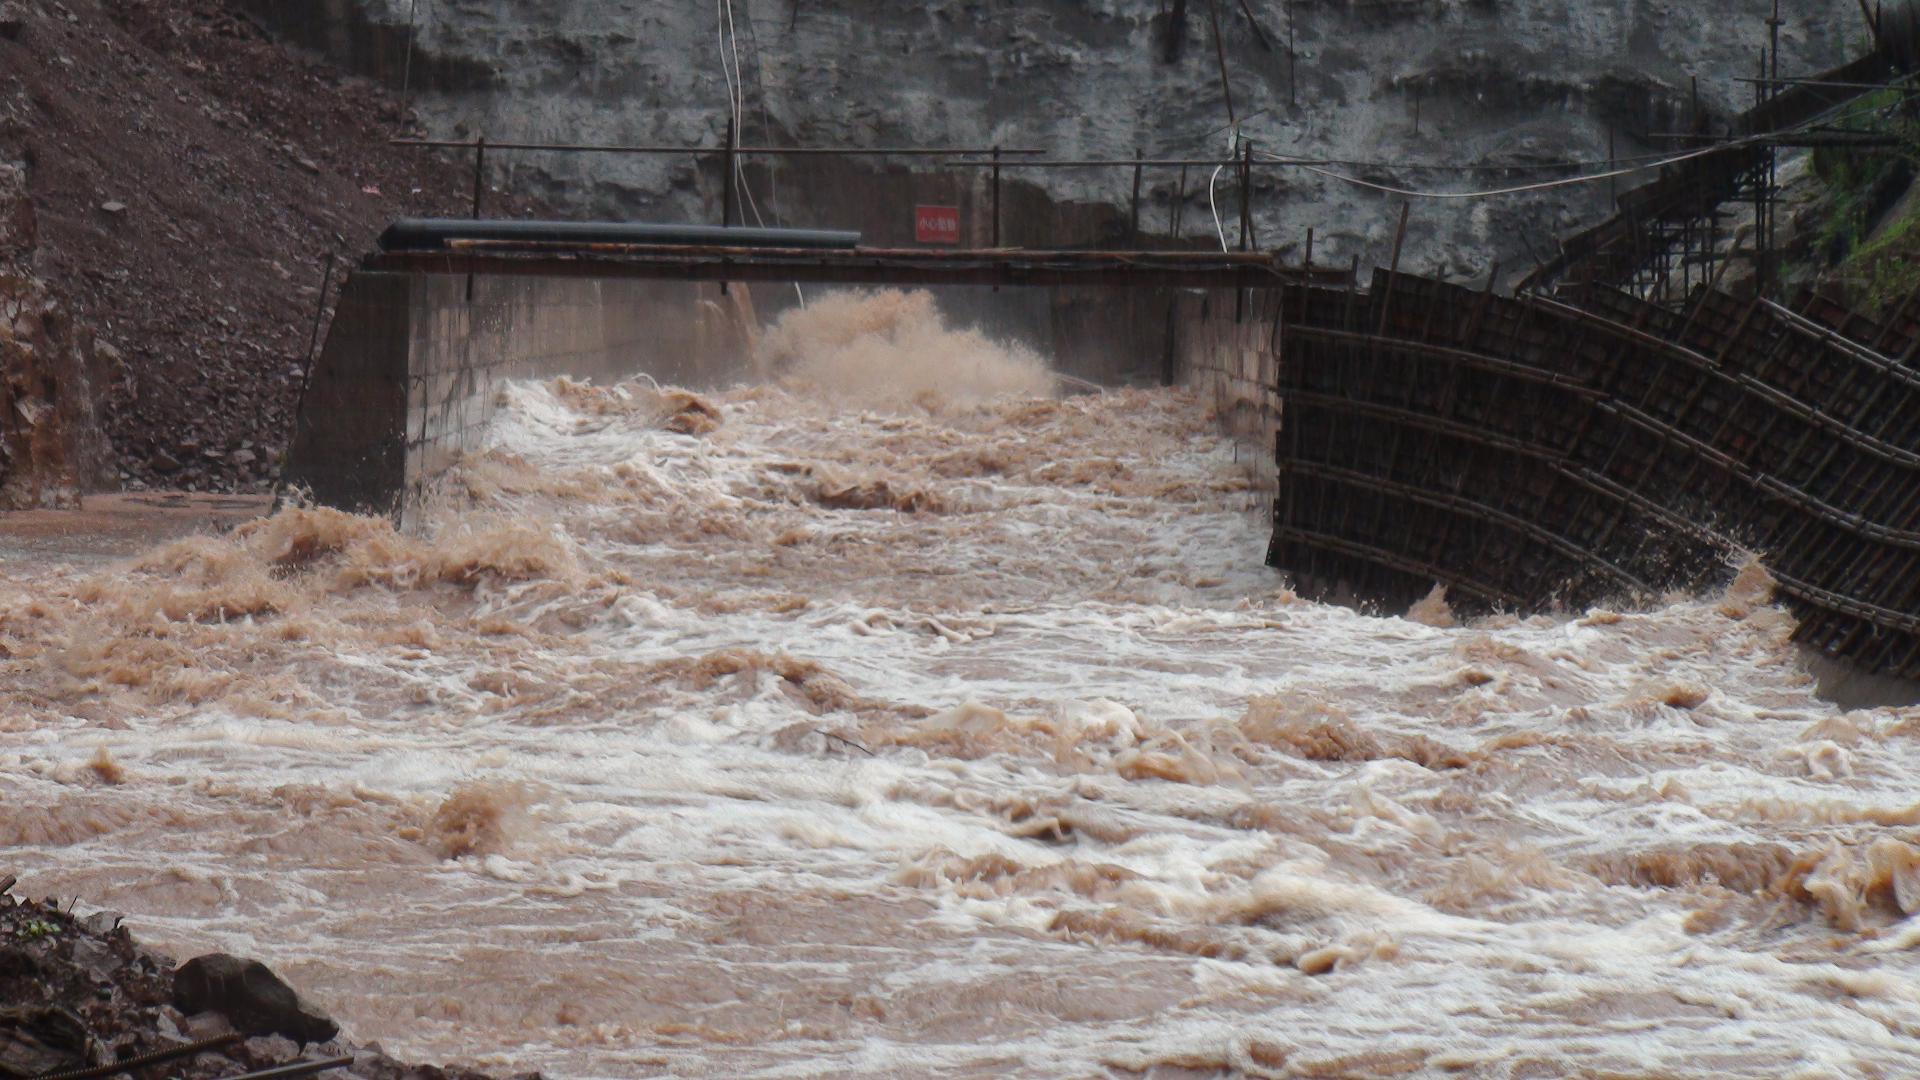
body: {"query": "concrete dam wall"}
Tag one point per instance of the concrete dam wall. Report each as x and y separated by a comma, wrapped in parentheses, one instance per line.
(409, 375)
(408, 378)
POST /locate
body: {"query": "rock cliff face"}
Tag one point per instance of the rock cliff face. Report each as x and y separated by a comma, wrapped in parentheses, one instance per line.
(51, 443)
(1462, 82)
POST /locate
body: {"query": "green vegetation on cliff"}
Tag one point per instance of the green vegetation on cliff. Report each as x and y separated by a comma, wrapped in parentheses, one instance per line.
(1870, 232)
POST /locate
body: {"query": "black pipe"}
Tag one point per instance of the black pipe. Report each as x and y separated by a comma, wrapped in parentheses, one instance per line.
(433, 234)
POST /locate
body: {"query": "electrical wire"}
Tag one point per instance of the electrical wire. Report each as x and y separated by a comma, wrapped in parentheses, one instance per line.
(1646, 160)
(738, 99)
(1566, 181)
(1218, 228)
(766, 120)
(1493, 167)
(722, 17)
(729, 42)
(729, 39)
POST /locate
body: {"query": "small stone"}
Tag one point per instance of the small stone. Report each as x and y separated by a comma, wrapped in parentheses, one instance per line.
(250, 996)
(307, 164)
(94, 957)
(206, 1025)
(271, 1048)
(241, 457)
(114, 207)
(102, 923)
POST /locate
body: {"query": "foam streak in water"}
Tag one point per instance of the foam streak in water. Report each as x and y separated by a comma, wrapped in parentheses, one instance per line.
(956, 731)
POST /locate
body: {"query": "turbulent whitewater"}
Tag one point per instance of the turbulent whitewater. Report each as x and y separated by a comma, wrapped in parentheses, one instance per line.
(810, 728)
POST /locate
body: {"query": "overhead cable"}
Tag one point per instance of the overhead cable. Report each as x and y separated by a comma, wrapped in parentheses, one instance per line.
(1312, 166)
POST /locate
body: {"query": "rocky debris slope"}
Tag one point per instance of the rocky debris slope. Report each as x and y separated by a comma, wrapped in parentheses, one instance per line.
(1520, 82)
(79, 992)
(188, 176)
(51, 446)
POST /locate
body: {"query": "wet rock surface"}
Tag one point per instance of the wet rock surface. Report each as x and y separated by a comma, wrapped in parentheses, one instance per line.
(77, 992)
(1368, 88)
(251, 997)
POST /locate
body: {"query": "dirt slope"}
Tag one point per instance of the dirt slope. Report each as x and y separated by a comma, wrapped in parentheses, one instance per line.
(189, 175)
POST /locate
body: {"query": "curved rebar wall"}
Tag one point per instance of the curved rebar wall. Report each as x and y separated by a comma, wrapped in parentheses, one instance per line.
(1529, 454)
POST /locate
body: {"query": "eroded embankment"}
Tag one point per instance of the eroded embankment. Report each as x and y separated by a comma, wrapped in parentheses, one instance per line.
(807, 727)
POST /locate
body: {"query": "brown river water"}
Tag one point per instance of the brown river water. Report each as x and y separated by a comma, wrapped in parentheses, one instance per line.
(899, 718)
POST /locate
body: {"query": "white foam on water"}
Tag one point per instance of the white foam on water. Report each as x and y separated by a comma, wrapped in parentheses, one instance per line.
(882, 734)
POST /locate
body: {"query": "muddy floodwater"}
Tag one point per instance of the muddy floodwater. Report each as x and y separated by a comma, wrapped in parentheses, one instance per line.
(899, 717)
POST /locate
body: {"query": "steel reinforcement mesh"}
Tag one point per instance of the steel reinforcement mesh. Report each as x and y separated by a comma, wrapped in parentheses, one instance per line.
(1532, 454)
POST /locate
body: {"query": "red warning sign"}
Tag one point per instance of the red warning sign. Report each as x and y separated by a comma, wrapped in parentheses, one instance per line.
(936, 224)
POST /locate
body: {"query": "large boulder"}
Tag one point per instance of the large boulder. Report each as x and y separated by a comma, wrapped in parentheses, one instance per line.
(252, 998)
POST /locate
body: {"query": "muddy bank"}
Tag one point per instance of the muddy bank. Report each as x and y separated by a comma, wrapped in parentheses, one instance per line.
(80, 993)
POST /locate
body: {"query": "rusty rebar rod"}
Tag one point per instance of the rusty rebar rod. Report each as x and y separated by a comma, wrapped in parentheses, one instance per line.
(727, 181)
(996, 196)
(1133, 226)
(479, 172)
(406, 72)
(319, 311)
(141, 1061)
(1220, 50)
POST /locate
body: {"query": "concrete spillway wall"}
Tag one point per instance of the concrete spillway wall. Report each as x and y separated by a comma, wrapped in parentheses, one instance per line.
(411, 370)
(410, 374)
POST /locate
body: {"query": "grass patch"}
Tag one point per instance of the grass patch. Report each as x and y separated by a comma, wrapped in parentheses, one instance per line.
(1887, 267)
(36, 929)
(1861, 184)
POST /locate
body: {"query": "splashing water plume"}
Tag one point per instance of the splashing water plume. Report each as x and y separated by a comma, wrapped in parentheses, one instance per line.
(961, 733)
(891, 349)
